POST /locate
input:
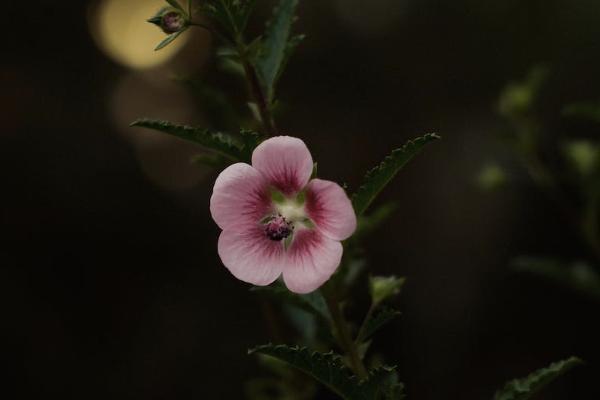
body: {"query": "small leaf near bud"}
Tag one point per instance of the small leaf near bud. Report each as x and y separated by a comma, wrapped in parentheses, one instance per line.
(384, 287)
(170, 20)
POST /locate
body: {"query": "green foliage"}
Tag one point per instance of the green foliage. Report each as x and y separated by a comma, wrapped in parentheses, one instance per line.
(313, 302)
(367, 224)
(218, 142)
(491, 177)
(168, 40)
(378, 178)
(376, 322)
(577, 276)
(583, 155)
(231, 15)
(277, 46)
(518, 98)
(328, 368)
(590, 111)
(525, 388)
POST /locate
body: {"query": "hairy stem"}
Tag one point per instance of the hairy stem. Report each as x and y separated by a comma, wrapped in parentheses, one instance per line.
(341, 332)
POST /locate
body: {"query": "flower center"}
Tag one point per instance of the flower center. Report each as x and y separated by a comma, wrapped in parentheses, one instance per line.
(278, 228)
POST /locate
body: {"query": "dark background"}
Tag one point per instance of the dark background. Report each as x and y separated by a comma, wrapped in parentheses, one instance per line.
(111, 287)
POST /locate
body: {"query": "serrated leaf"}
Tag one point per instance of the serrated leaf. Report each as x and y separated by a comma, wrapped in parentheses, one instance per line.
(377, 179)
(276, 45)
(313, 302)
(577, 276)
(328, 368)
(376, 322)
(168, 40)
(524, 389)
(218, 142)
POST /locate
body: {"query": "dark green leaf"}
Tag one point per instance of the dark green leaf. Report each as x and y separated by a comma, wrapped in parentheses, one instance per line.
(168, 40)
(276, 45)
(328, 368)
(380, 176)
(218, 142)
(577, 276)
(524, 389)
(376, 322)
(313, 302)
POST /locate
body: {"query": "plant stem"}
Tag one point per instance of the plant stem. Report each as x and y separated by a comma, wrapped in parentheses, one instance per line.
(342, 334)
(362, 328)
(256, 90)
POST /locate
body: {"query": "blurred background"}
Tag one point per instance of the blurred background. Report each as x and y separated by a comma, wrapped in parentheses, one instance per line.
(110, 282)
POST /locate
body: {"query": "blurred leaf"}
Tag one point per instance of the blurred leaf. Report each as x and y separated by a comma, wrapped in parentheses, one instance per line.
(384, 287)
(313, 302)
(590, 111)
(327, 368)
(218, 142)
(376, 322)
(577, 276)
(518, 98)
(367, 224)
(524, 389)
(378, 178)
(584, 156)
(491, 177)
(276, 45)
(168, 40)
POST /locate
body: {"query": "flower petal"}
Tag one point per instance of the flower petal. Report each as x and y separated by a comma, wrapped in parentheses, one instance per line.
(311, 260)
(250, 256)
(240, 198)
(285, 161)
(330, 209)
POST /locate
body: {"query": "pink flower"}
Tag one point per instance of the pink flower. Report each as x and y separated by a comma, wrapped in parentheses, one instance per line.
(275, 221)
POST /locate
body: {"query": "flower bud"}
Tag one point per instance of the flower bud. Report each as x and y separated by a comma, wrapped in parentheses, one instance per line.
(384, 287)
(170, 20)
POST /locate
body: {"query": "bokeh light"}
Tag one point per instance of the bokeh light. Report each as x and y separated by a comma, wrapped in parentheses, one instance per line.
(121, 31)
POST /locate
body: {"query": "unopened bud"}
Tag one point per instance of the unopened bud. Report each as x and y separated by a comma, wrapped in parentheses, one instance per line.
(170, 20)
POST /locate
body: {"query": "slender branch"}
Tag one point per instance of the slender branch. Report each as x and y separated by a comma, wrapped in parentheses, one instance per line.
(342, 334)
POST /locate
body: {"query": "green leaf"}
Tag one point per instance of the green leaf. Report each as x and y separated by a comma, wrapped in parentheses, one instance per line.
(376, 322)
(210, 160)
(276, 45)
(577, 276)
(377, 179)
(525, 388)
(313, 302)
(218, 142)
(328, 368)
(168, 40)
